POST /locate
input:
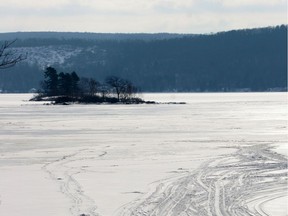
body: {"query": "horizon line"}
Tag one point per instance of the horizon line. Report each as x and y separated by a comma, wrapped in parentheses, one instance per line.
(126, 33)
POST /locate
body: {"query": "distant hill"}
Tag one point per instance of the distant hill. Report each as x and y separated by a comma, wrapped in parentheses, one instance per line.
(238, 60)
(89, 36)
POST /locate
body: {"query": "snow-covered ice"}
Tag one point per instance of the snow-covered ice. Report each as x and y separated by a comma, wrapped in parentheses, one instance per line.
(219, 154)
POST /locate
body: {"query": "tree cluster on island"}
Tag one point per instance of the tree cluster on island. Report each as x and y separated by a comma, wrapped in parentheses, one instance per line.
(64, 88)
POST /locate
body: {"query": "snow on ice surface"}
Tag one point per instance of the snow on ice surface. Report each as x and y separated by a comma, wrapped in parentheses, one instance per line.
(119, 159)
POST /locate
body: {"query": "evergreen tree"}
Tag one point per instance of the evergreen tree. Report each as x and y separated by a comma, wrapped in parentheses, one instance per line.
(50, 82)
(74, 83)
(65, 84)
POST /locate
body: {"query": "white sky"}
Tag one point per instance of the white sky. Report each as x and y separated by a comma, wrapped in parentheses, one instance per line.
(180, 16)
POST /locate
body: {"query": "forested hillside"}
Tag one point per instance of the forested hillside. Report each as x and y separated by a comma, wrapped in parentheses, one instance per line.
(250, 60)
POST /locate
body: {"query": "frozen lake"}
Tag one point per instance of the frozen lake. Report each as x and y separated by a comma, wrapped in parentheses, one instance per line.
(219, 154)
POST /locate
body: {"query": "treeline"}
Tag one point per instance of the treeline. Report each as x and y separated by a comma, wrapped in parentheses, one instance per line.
(69, 87)
(242, 60)
(89, 36)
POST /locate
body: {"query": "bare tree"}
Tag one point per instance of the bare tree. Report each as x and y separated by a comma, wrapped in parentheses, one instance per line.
(89, 86)
(8, 57)
(93, 86)
(116, 83)
(103, 90)
(124, 89)
(128, 90)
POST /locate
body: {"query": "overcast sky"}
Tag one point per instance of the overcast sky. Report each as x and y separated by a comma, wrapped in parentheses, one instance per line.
(150, 16)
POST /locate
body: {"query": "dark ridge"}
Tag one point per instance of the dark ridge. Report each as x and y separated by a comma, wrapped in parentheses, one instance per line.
(90, 36)
(233, 61)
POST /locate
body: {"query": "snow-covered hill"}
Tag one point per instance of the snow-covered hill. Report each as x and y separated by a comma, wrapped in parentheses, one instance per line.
(43, 56)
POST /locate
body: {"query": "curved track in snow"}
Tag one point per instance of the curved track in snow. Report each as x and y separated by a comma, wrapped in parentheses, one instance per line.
(233, 185)
(62, 172)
